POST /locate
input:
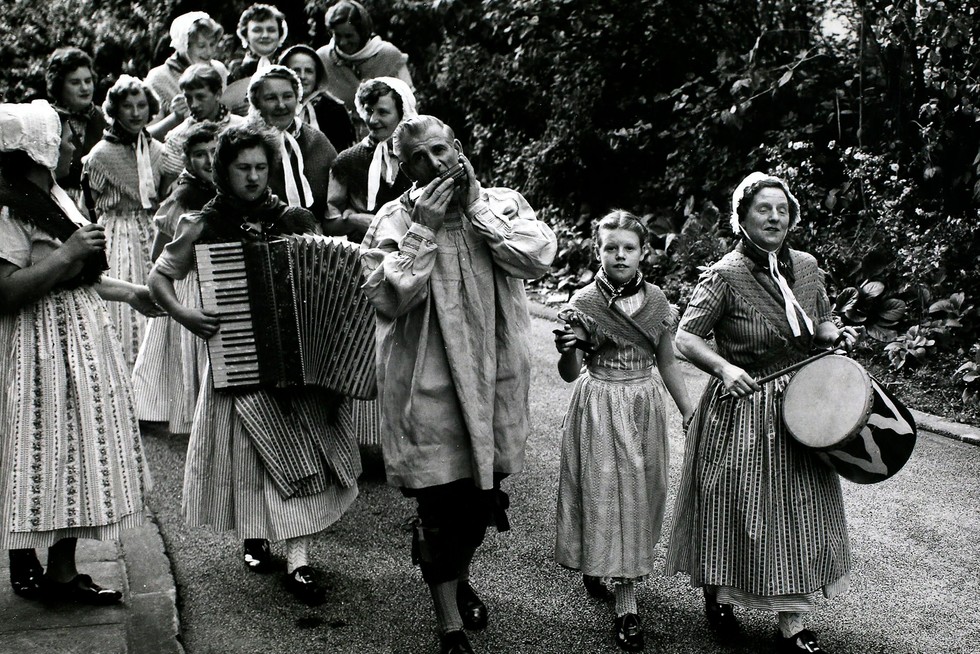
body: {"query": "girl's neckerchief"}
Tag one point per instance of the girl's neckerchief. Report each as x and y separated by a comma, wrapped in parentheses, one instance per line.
(144, 166)
(612, 292)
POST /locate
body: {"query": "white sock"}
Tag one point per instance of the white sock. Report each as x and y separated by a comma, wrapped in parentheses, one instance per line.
(296, 553)
(791, 623)
(625, 591)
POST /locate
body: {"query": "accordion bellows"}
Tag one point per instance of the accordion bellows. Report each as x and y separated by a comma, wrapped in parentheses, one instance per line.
(292, 314)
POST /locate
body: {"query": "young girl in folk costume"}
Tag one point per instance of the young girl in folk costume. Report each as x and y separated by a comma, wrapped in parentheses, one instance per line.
(270, 464)
(171, 361)
(613, 484)
(122, 175)
(71, 462)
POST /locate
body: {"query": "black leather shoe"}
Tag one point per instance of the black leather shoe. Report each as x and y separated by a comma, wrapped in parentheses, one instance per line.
(304, 585)
(81, 590)
(629, 633)
(471, 608)
(26, 573)
(804, 641)
(258, 556)
(455, 642)
(595, 587)
(721, 617)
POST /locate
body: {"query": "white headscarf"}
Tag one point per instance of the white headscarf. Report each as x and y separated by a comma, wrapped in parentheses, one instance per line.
(32, 128)
(180, 29)
(35, 128)
(384, 161)
(790, 303)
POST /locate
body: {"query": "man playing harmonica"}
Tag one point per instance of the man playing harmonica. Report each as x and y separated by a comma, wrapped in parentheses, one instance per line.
(444, 266)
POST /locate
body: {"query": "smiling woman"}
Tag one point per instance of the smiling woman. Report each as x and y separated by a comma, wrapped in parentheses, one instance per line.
(123, 175)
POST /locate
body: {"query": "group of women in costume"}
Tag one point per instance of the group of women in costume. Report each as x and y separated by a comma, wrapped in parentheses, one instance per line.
(91, 228)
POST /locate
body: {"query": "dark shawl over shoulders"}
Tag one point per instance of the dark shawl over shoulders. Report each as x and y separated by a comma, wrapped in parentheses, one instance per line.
(33, 206)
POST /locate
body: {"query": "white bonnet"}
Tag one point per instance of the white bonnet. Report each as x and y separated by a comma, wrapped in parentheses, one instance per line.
(398, 86)
(180, 29)
(275, 71)
(34, 128)
(754, 178)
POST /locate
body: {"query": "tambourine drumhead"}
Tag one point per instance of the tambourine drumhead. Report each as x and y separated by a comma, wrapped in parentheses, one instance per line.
(827, 402)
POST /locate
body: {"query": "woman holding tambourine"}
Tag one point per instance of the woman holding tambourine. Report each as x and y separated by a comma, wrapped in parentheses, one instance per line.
(759, 520)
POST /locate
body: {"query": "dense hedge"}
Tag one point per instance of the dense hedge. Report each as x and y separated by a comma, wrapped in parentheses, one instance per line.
(866, 106)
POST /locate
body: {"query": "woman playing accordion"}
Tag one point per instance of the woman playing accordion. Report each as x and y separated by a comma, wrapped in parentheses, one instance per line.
(272, 465)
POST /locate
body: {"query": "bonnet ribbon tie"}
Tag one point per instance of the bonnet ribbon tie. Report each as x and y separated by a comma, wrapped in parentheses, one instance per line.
(383, 164)
(289, 145)
(790, 303)
(144, 170)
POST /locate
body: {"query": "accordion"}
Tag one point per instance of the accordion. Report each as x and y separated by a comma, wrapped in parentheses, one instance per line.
(292, 314)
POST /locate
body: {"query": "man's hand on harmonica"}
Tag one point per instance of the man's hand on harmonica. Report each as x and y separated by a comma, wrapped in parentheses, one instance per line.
(472, 193)
(430, 208)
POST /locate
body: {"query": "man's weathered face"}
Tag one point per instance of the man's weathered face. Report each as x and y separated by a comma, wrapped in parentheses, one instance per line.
(429, 155)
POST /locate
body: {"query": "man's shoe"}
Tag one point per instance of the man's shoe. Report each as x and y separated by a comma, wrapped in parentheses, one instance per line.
(721, 617)
(304, 585)
(454, 642)
(629, 633)
(258, 555)
(595, 587)
(804, 641)
(26, 573)
(471, 608)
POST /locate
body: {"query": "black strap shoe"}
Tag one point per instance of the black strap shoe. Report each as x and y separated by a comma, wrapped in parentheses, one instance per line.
(595, 587)
(81, 590)
(26, 573)
(455, 642)
(629, 633)
(258, 555)
(722, 619)
(304, 585)
(804, 641)
(471, 608)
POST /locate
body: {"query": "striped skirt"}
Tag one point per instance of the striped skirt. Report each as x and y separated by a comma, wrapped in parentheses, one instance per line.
(170, 365)
(367, 421)
(757, 515)
(613, 484)
(72, 463)
(227, 486)
(129, 237)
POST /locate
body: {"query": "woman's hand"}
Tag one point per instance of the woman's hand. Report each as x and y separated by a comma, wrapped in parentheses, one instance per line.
(201, 323)
(84, 242)
(738, 382)
(141, 301)
(829, 335)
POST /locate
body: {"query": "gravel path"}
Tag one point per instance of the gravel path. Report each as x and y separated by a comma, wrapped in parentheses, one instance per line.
(914, 589)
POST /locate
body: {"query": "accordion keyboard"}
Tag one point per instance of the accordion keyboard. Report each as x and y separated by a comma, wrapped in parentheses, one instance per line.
(233, 351)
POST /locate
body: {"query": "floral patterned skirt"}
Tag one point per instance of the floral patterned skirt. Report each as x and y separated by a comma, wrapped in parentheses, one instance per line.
(129, 238)
(72, 461)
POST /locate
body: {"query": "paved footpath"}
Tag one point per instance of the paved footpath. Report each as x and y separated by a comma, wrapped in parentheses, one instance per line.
(913, 588)
(144, 623)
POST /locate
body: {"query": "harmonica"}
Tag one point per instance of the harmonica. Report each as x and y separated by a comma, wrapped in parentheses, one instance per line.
(457, 173)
